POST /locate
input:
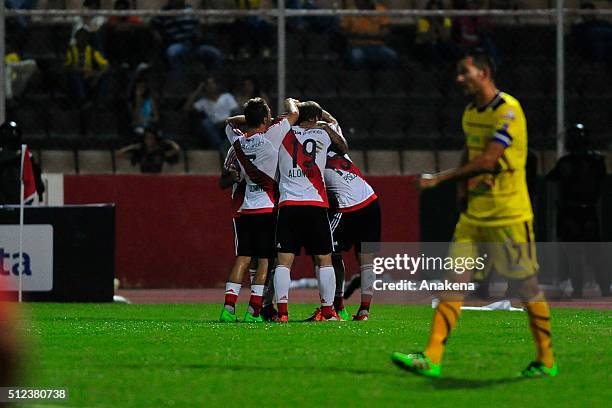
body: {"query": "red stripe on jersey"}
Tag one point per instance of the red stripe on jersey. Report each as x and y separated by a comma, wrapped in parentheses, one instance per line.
(295, 202)
(358, 206)
(265, 182)
(313, 173)
(339, 162)
(257, 211)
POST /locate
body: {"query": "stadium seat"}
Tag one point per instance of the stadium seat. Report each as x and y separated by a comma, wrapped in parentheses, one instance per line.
(448, 159)
(383, 162)
(125, 166)
(175, 168)
(389, 83)
(418, 161)
(58, 161)
(424, 83)
(320, 83)
(204, 162)
(354, 83)
(177, 84)
(95, 161)
(176, 125)
(389, 123)
(351, 114)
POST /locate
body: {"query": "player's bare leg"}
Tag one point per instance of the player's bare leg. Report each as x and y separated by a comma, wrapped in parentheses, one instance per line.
(539, 323)
(232, 288)
(257, 292)
(282, 280)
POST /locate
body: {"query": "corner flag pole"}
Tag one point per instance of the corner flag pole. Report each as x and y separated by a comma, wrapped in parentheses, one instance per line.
(21, 211)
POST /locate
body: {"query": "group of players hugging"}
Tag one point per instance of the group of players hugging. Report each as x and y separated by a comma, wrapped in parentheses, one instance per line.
(294, 186)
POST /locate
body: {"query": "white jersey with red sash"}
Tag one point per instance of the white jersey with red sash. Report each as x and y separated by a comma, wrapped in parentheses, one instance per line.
(258, 158)
(301, 164)
(238, 188)
(345, 181)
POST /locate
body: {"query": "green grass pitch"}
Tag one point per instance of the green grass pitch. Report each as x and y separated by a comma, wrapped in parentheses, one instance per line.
(178, 355)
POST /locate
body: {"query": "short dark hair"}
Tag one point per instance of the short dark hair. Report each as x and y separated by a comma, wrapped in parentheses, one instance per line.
(481, 59)
(256, 111)
(309, 110)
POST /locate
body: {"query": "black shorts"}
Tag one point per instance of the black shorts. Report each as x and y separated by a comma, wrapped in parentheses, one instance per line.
(353, 228)
(254, 235)
(303, 226)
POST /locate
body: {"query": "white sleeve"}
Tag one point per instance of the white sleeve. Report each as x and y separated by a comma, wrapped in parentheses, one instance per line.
(232, 133)
(336, 128)
(276, 133)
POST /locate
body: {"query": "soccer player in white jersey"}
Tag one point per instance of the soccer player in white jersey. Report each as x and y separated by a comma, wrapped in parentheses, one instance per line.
(232, 177)
(257, 154)
(302, 215)
(354, 219)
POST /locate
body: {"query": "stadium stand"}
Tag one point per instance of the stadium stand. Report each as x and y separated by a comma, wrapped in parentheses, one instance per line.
(416, 107)
(58, 161)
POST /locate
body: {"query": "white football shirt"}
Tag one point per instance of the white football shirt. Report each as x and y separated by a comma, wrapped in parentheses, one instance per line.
(301, 163)
(258, 158)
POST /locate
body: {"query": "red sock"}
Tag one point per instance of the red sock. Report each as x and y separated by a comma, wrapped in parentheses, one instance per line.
(282, 309)
(327, 311)
(338, 303)
(365, 302)
(255, 304)
(230, 299)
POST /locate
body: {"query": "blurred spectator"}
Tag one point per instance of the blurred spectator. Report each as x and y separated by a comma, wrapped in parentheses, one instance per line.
(593, 36)
(252, 35)
(433, 36)
(17, 73)
(126, 41)
(87, 73)
(93, 24)
(211, 107)
(474, 31)
(143, 106)
(247, 89)
(318, 24)
(21, 21)
(365, 36)
(180, 36)
(86, 69)
(580, 175)
(152, 152)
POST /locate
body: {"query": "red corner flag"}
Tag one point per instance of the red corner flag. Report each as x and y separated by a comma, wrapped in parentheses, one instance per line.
(27, 176)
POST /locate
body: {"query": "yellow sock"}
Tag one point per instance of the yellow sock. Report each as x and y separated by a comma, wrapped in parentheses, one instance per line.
(539, 323)
(445, 319)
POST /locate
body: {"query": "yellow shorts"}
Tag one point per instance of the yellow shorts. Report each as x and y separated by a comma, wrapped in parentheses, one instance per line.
(509, 250)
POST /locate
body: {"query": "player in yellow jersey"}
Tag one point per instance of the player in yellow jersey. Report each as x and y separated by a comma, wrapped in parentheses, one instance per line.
(497, 220)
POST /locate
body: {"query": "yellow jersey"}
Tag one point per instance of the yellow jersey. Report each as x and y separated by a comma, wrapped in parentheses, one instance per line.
(500, 198)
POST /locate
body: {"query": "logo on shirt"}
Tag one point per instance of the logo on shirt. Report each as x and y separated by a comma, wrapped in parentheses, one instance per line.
(509, 115)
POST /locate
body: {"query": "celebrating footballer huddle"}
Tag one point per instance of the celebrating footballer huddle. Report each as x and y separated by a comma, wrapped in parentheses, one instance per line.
(285, 174)
(294, 186)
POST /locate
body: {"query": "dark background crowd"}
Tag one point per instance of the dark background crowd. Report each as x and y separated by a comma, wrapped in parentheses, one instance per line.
(97, 81)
